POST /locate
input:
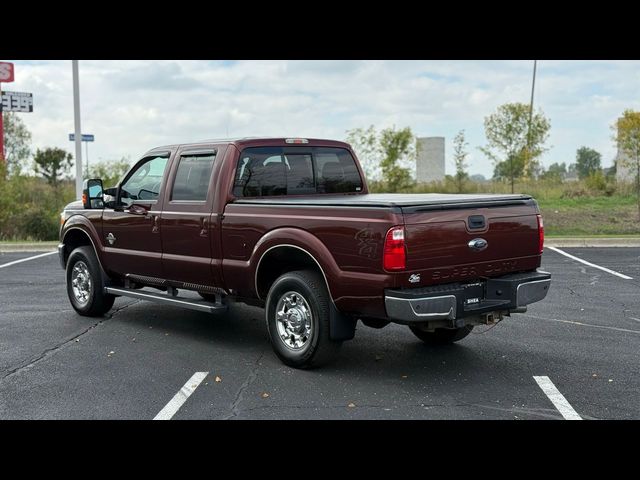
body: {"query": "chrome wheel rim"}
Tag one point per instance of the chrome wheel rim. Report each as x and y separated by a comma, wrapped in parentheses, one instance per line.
(81, 283)
(294, 320)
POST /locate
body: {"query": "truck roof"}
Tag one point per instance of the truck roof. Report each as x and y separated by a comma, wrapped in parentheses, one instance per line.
(243, 142)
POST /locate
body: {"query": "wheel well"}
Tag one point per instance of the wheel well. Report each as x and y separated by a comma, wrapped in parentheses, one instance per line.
(73, 239)
(281, 260)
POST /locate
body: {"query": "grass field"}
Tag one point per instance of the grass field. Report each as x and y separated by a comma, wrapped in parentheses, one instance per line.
(604, 216)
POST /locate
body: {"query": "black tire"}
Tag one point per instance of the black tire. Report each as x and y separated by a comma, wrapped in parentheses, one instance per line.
(318, 349)
(442, 336)
(97, 302)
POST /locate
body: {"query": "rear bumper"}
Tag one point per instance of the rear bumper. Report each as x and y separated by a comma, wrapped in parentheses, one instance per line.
(459, 300)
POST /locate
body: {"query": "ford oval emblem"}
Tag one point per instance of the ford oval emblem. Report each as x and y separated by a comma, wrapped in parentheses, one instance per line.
(478, 244)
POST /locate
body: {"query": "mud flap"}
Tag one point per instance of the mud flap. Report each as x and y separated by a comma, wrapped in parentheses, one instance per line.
(341, 326)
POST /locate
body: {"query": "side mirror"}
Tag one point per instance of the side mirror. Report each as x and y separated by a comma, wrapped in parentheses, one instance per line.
(110, 195)
(92, 194)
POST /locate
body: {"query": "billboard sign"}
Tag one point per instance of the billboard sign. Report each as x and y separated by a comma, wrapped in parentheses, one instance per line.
(16, 102)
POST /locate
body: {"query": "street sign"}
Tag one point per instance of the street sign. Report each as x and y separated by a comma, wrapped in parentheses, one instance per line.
(16, 102)
(6, 72)
(85, 137)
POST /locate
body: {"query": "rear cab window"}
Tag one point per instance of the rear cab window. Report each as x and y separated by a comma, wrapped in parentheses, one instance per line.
(276, 171)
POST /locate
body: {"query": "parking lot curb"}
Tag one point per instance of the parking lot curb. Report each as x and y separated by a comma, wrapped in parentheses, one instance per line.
(28, 247)
(592, 242)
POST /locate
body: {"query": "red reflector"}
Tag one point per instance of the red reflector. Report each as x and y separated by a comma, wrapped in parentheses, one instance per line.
(540, 234)
(394, 256)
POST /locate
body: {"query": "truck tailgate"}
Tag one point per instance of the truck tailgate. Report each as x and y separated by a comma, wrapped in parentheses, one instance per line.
(438, 240)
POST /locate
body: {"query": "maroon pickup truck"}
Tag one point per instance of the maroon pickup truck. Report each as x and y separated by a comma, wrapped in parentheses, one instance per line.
(288, 224)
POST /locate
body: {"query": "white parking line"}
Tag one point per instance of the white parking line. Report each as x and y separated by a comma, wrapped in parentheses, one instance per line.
(171, 408)
(26, 259)
(604, 269)
(573, 322)
(558, 400)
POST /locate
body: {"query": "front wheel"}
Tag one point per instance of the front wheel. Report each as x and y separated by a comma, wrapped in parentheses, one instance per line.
(442, 336)
(85, 284)
(297, 315)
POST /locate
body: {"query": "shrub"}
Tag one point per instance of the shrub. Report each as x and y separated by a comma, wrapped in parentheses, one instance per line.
(596, 181)
(37, 223)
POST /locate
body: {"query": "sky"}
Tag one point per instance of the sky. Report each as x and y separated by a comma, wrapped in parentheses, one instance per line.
(132, 106)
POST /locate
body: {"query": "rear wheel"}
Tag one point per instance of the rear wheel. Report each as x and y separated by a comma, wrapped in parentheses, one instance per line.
(442, 336)
(85, 284)
(297, 314)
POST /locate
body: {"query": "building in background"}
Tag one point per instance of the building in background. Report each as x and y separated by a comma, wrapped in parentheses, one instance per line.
(429, 159)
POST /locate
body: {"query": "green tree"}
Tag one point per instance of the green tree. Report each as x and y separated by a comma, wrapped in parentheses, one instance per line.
(627, 136)
(511, 147)
(587, 162)
(459, 157)
(52, 163)
(17, 142)
(365, 143)
(555, 172)
(397, 145)
(387, 154)
(111, 172)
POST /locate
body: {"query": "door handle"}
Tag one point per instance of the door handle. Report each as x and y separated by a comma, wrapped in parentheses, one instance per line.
(204, 224)
(138, 210)
(154, 228)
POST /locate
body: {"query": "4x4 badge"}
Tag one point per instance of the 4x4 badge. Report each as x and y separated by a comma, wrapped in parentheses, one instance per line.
(111, 238)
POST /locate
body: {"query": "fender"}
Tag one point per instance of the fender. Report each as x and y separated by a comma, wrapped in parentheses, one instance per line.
(302, 239)
(82, 223)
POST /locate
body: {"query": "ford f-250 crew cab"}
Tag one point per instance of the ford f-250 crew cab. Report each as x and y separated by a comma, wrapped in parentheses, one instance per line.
(289, 224)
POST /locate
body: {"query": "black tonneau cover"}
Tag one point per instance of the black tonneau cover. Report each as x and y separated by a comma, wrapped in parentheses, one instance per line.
(409, 202)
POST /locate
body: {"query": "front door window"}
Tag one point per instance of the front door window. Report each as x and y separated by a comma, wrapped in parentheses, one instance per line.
(144, 182)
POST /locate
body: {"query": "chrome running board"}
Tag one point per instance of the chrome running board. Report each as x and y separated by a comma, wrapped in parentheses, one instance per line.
(167, 299)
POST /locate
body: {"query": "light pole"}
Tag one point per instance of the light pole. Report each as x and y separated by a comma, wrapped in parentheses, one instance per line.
(533, 87)
(78, 130)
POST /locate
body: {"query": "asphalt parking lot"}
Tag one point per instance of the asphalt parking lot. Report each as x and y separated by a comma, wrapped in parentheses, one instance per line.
(585, 337)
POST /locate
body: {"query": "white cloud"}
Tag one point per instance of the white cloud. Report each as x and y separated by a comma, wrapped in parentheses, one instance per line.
(132, 106)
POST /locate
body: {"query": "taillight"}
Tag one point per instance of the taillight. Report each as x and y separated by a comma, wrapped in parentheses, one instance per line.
(394, 255)
(540, 234)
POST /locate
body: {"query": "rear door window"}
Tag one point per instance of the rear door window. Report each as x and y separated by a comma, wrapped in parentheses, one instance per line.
(193, 177)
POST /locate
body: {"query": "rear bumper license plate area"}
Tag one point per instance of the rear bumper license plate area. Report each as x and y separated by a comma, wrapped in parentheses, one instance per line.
(459, 300)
